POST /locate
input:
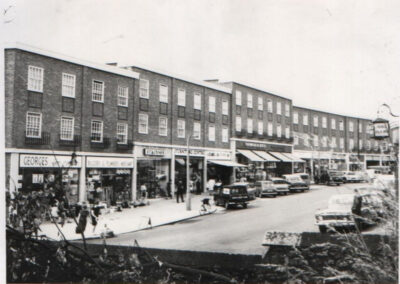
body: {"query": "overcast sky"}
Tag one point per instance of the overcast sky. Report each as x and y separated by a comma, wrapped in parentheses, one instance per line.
(337, 56)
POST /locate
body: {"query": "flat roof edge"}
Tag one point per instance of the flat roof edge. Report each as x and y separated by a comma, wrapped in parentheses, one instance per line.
(70, 59)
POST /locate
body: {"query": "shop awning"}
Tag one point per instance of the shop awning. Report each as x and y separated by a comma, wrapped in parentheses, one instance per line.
(226, 163)
(250, 155)
(281, 157)
(267, 157)
(293, 158)
(180, 161)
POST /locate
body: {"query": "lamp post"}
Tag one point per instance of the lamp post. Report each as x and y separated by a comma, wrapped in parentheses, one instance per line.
(188, 197)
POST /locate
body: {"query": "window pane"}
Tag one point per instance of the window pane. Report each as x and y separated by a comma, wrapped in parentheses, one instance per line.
(270, 106)
(238, 123)
(97, 131)
(67, 128)
(225, 108)
(260, 103)
(249, 100)
(35, 79)
(196, 131)
(68, 85)
(181, 129)
(181, 97)
(97, 91)
(279, 131)
(163, 126)
(278, 108)
(163, 93)
(197, 101)
(143, 123)
(225, 138)
(211, 133)
(144, 88)
(122, 133)
(305, 119)
(238, 98)
(249, 126)
(295, 118)
(122, 96)
(33, 124)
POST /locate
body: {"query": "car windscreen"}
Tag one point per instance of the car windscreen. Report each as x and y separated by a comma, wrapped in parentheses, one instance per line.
(294, 179)
(279, 182)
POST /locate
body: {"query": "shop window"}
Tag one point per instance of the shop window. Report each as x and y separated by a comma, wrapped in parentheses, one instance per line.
(238, 110)
(97, 109)
(181, 111)
(68, 85)
(143, 104)
(35, 79)
(68, 104)
(260, 114)
(211, 117)
(249, 112)
(122, 113)
(197, 114)
(122, 96)
(144, 88)
(97, 91)
(35, 99)
(163, 108)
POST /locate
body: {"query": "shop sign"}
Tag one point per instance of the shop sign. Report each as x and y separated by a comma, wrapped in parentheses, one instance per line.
(149, 152)
(262, 146)
(218, 155)
(381, 128)
(192, 152)
(153, 152)
(47, 161)
(109, 162)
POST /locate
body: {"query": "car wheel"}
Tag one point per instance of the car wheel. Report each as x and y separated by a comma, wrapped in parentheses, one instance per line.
(322, 229)
(226, 205)
(244, 205)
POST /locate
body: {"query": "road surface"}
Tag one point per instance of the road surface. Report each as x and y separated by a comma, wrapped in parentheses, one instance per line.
(238, 230)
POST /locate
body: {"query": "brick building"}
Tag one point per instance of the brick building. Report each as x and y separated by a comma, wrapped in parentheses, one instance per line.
(57, 105)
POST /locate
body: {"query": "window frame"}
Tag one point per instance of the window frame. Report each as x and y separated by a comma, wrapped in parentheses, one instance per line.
(125, 141)
(197, 101)
(287, 132)
(238, 98)
(40, 124)
(39, 81)
(195, 136)
(181, 101)
(163, 98)
(211, 138)
(295, 117)
(212, 102)
(63, 85)
(63, 118)
(122, 96)
(270, 129)
(270, 106)
(333, 123)
(144, 93)
(140, 118)
(182, 123)
(238, 122)
(94, 92)
(279, 108)
(101, 132)
(287, 110)
(225, 134)
(250, 125)
(225, 107)
(279, 131)
(260, 103)
(324, 122)
(305, 119)
(161, 129)
(249, 100)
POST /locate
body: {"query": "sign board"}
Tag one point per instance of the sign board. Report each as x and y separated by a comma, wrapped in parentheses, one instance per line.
(381, 129)
(262, 146)
(47, 161)
(219, 155)
(192, 152)
(152, 152)
(109, 162)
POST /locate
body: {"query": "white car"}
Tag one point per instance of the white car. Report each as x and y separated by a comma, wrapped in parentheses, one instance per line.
(351, 177)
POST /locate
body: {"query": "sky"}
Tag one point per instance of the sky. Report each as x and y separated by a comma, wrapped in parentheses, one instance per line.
(336, 56)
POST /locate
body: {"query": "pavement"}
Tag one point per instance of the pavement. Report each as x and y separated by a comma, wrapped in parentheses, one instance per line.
(159, 212)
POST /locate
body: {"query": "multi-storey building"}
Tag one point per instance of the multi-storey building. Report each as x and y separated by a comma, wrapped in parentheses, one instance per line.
(331, 141)
(100, 131)
(56, 106)
(173, 113)
(261, 131)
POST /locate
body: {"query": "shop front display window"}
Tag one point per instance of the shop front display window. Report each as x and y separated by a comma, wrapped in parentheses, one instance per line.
(154, 174)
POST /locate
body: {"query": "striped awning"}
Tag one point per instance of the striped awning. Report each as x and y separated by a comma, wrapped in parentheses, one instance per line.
(226, 163)
(251, 155)
(281, 157)
(293, 158)
(267, 157)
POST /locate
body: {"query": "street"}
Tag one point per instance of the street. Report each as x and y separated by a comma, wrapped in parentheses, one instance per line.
(239, 230)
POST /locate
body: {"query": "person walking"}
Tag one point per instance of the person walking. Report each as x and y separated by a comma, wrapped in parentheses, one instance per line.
(180, 191)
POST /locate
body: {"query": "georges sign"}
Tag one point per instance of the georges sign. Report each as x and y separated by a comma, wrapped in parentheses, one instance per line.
(262, 146)
(47, 161)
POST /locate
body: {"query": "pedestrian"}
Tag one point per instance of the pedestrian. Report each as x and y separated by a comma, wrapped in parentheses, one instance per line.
(94, 214)
(83, 214)
(169, 188)
(356, 208)
(143, 193)
(180, 191)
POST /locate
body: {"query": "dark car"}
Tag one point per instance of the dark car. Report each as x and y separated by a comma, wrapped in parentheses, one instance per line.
(329, 178)
(337, 177)
(296, 184)
(232, 195)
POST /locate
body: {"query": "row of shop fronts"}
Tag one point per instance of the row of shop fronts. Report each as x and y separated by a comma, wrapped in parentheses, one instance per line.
(111, 178)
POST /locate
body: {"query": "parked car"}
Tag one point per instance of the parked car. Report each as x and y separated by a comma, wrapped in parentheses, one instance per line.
(339, 214)
(296, 184)
(232, 195)
(305, 177)
(265, 188)
(281, 186)
(351, 177)
(330, 178)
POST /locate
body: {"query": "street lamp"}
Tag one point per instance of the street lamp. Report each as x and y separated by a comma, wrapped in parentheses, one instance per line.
(188, 201)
